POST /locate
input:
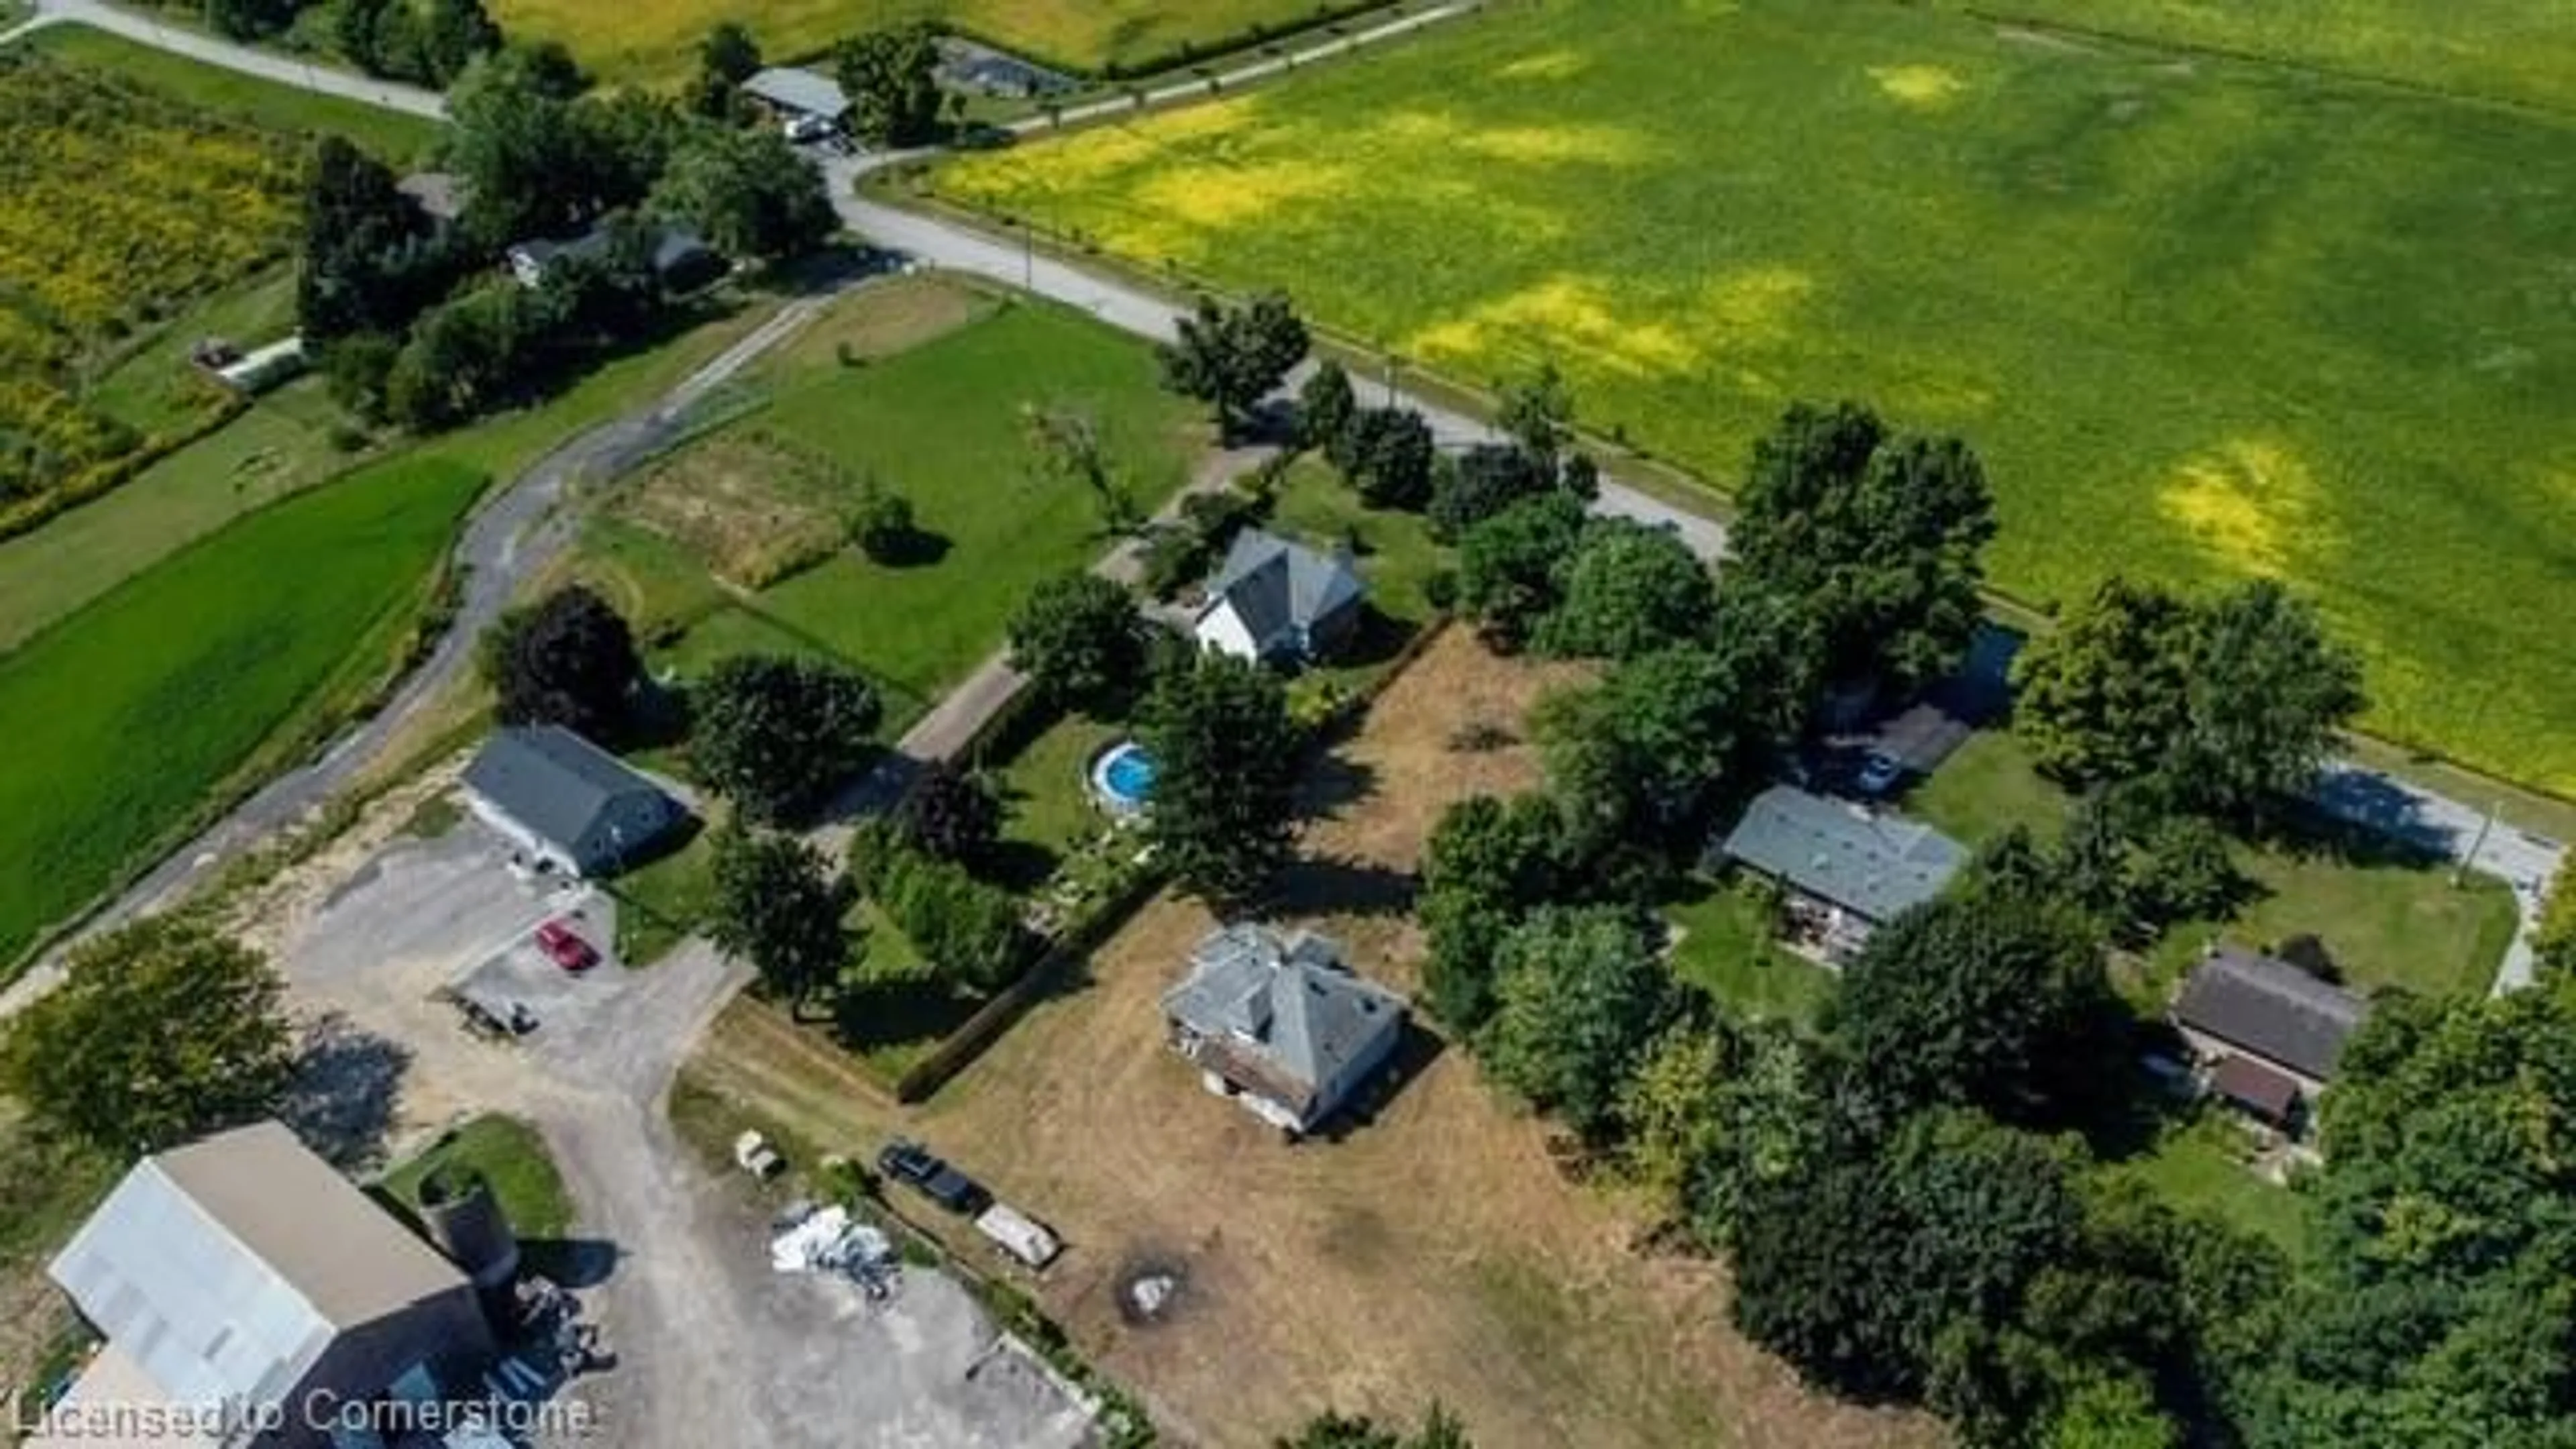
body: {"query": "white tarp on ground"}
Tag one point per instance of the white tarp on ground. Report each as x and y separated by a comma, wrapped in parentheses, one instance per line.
(829, 1242)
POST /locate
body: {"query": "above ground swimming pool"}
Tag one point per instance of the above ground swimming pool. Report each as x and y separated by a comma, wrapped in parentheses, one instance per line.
(1122, 779)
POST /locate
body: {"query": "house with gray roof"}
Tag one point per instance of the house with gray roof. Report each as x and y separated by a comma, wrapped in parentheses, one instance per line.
(240, 1274)
(565, 802)
(1278, 1022)
(792, 92)
(1278, 600)
(2267, 1033)
(1848, 869)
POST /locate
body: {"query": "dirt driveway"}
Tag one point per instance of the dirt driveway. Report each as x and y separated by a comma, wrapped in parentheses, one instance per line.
(714, 1348)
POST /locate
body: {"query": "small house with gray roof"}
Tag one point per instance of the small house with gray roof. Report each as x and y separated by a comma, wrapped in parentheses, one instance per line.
(1278, 1022)
(570, 805)
(1274, 600)
(1848, 870)
(2266, 1033)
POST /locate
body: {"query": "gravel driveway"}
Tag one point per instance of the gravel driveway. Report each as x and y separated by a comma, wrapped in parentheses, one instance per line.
(713, 1348)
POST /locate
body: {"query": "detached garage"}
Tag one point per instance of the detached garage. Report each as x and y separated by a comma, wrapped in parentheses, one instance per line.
(571, 805)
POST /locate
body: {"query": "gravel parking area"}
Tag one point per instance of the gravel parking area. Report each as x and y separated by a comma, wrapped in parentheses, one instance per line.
(711, 1346)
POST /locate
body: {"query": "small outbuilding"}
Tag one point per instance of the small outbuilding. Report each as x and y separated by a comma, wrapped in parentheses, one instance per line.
(1848, 870)
(1275, 600)
(1278, 1023)
(2266, 1034)
(570, 805)
(241, 1275)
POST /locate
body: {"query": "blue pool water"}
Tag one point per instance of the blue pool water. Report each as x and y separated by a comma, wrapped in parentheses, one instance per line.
(1128, 775)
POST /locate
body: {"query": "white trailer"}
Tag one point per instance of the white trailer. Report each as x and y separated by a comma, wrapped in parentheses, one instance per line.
(1019, 1235)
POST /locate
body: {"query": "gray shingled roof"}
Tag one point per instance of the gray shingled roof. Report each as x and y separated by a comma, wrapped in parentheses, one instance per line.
(225, 1268)
(809, 91)
(1275, 585)
(2270, 1009)
(1875, 866)
(1288, 1001)
(552, 781)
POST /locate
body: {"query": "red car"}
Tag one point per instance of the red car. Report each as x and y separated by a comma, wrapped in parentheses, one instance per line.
(565, 947)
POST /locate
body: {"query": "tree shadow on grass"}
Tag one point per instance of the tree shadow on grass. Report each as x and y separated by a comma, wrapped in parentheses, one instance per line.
(1334, 783)
(1319, 886)
(915, 548)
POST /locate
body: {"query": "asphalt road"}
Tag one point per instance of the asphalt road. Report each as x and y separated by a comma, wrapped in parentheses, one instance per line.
(143, 28)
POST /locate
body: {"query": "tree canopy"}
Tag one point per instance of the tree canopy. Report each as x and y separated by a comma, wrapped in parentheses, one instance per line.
(892, 80)
(1509, 566)
(2227, 707)
(161, 1031)
(1580, 993)
(1876, 536)
(1225, 758)
(747, 192)
(1628, 590)
(1993, 996)
(775, 734)
(779, 905)
(1079, 639)
(371, 259)
(1325, 407)
(1488, 861)
(1231, 357)
(951, 814)
(569, 659)
(1388, 455)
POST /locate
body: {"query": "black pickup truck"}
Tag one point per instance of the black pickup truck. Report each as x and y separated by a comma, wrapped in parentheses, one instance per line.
(908, 1161)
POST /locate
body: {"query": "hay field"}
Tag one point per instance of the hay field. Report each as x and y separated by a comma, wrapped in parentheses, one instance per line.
(656, 40)
(2204, 319)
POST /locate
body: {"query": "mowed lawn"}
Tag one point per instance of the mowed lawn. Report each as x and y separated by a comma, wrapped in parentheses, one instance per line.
(657, 40)
(2509, 50)
(125, 718)
(943, 424)
(2202, 318)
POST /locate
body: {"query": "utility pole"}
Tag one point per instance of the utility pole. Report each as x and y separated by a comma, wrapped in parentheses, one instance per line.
(2486, 824)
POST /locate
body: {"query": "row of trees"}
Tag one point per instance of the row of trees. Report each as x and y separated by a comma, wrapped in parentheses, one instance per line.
(411, 316)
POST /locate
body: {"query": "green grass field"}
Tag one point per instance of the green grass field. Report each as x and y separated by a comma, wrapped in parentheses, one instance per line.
(2202, 318)
(512, 1158)
(125, 718)
(657, 40)
(942, 424)
(1725, 948)
(2522, 51)
(2198, 1167)
(397, 138)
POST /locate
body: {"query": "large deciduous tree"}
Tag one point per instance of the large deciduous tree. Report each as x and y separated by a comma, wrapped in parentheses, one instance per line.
(1325, 407)
(1580, 994)
(2269, 693)
(892, 80)
(1389, 456)
(2103, 695)
(779, 904)
(1629, 590)
(1079, 639)
(951, 814)
(1877, 537)
(1488, 862)
(1992, 997)
(371, 259)
(1510, 566)
(1232, 357)
(161, 1032)
(569, 659)
(748, 193)
(775, 734)
(1225, 762)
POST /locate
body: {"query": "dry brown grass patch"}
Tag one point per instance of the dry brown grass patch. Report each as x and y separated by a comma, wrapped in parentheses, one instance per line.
(880, 320)
(753, 507)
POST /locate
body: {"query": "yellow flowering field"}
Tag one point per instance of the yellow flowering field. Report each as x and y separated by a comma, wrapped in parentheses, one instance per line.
(117, 208)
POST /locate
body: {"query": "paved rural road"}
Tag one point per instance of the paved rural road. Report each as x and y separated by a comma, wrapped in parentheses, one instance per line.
(145, 29)
(2527, 863)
